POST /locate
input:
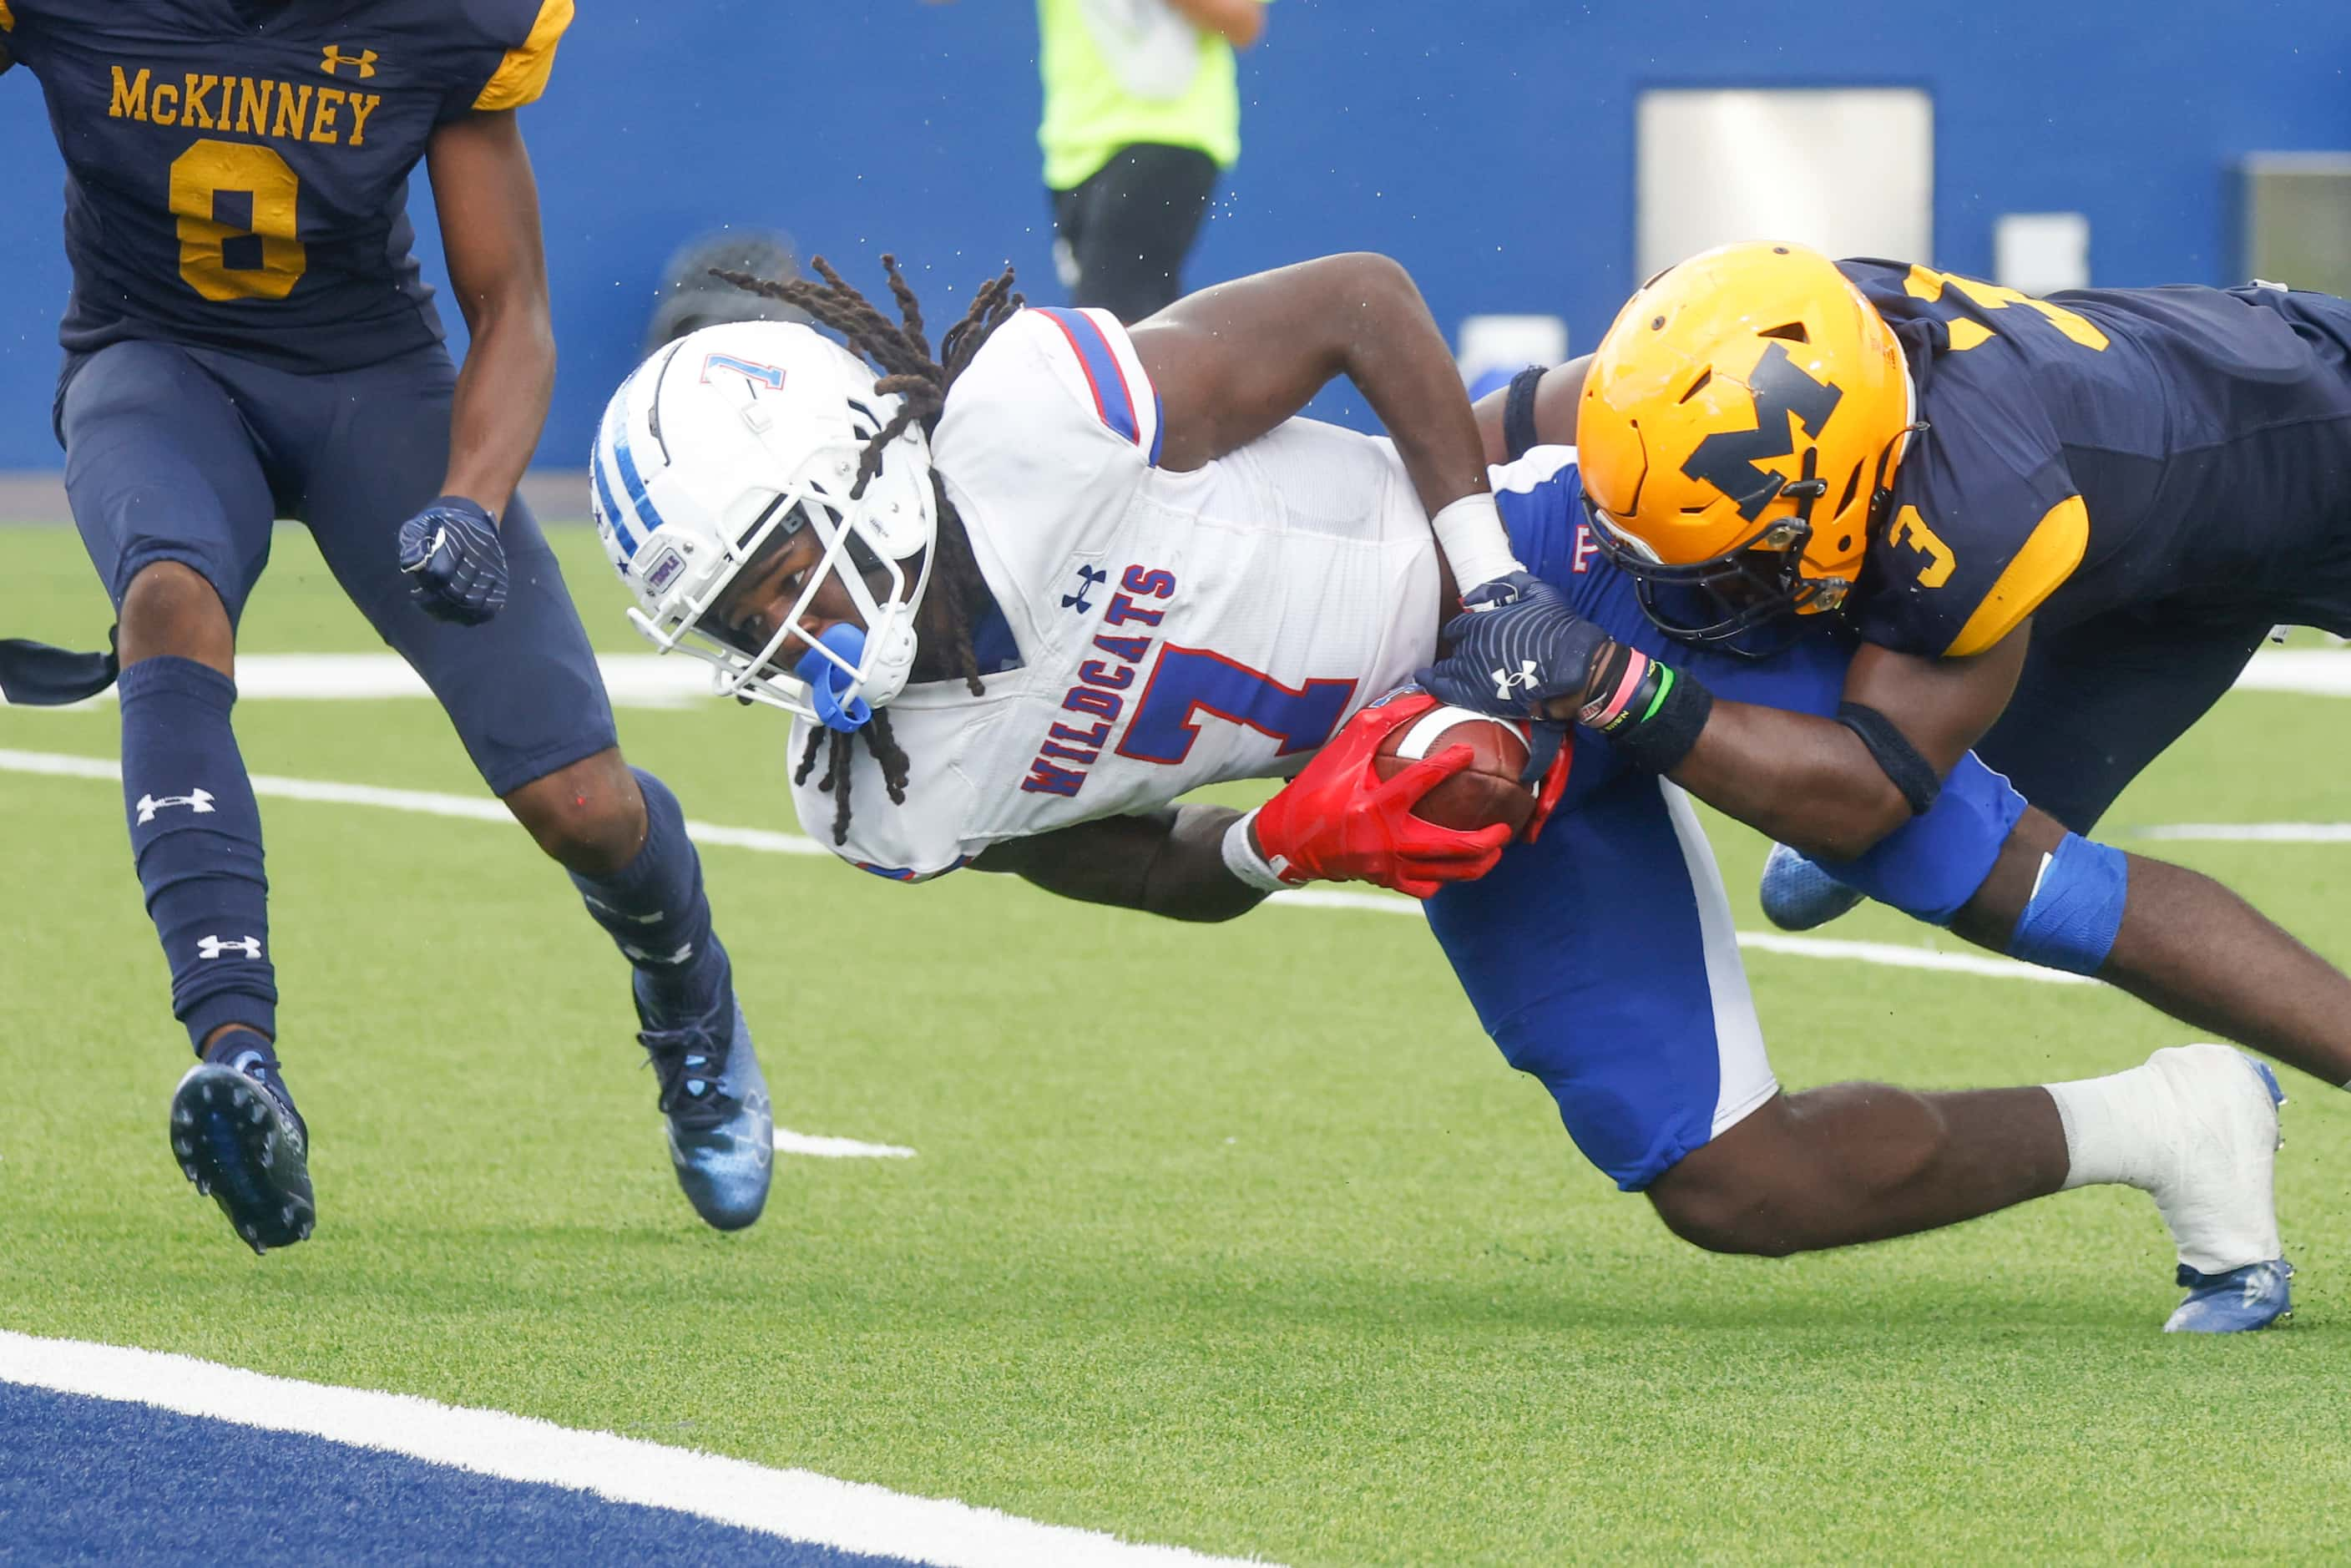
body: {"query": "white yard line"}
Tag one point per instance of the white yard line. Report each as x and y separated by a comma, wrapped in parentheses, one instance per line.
(2255, 832)
(650, 680)
(425, 802)
(796, 1505)
(1893, 955)
(817, 1146)
(632, 680)
(2308, 671)
(432, 803)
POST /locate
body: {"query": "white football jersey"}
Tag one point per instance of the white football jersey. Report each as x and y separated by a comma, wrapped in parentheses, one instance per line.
(1174, 630)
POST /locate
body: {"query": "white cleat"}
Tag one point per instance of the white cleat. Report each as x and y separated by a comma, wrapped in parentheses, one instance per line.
(2220, 1199)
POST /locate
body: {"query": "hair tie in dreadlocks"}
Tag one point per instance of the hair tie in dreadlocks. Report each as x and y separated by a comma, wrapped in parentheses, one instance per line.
(920, 383)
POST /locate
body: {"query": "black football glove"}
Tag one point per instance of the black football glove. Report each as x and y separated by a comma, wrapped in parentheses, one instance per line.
(456, 567)
(1517, 644)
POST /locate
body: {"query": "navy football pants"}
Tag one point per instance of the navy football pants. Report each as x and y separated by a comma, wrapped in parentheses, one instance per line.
(186, 454)
(2097, 701)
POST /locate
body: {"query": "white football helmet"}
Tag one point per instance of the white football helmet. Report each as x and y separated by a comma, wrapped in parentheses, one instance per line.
(741, 434)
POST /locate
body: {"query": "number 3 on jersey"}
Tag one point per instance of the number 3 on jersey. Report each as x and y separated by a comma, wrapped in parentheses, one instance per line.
(222, 260)
(1188, 682)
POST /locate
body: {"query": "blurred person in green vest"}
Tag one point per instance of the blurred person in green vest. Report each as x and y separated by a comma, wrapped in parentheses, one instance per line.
(1142, 118)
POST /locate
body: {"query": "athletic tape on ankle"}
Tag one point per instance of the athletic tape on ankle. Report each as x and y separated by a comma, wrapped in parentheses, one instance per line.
(2076, 908)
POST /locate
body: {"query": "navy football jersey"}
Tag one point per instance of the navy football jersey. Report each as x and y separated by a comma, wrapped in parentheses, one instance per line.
(2183, 449)
(236, 171)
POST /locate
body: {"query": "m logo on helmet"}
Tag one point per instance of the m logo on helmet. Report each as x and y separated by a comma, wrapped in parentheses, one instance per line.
(1732, 460)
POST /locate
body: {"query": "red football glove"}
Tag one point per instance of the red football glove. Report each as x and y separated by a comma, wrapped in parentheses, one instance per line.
(1554, 779)
(1340, 821)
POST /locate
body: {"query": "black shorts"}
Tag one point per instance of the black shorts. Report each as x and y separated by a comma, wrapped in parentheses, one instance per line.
(1128, 226)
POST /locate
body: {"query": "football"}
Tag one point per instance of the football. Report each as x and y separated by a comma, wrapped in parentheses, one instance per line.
(1486, 791)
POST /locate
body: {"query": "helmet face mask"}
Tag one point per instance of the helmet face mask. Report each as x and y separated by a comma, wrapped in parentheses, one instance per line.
(754, 433)
(1745, 601)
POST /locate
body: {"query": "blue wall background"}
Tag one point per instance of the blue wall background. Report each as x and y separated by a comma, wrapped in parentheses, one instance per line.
(1486, 143)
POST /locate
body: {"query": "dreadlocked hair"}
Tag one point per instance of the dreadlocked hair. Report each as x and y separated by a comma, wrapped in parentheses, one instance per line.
(921, 383)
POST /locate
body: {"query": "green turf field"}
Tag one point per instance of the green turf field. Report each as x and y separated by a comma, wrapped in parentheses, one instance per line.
(1241, 1237)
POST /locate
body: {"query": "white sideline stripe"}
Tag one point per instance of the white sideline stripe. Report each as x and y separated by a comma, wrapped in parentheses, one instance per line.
(650, 680)
(2308, 671)
(1897, 957)
(632, 680)
(432, 803)
(426, 802)
(1893, 955)
(797, 1505)
(2255, 832)
(816, 1145)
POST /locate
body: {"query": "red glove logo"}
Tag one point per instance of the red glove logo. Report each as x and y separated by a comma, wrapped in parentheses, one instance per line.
(1340, 821)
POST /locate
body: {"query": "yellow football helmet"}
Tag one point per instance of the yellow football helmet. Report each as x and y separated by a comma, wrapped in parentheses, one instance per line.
(1739, 429)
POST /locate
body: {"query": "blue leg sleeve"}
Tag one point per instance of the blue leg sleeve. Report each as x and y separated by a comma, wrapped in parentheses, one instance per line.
(655, 910)
(196, 837)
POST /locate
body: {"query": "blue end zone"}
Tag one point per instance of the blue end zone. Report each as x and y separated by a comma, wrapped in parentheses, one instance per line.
(89, 1480)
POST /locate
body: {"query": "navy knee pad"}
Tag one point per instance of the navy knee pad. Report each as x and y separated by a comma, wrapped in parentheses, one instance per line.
(2076, 908)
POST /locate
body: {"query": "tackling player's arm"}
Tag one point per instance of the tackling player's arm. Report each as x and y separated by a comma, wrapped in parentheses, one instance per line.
(1829, 787)
(1233, 361)
(1813, 783)
(489, 201)
(1540, 404)
(1169, 862)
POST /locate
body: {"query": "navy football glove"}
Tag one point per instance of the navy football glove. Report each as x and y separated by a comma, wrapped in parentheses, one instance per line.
(456, 567)
(1517, 644)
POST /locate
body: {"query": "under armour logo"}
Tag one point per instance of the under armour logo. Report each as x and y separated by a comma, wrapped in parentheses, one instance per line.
(200, 801)
(1088, 579)
(655, 918)
(213, 947)
(1527, 674)
(666, 960)
(333, 59)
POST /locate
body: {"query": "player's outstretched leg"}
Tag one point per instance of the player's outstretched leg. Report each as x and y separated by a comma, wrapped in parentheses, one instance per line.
(1798, 894)
(649, 896)
(2196, 1127)
(195, 839)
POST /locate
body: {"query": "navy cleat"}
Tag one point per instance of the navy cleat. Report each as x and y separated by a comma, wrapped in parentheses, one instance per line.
(1798, 895)
(722, 1130)
(2234, 1159)
(235, 1135)
(2256, 1296)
